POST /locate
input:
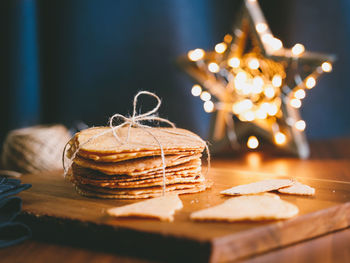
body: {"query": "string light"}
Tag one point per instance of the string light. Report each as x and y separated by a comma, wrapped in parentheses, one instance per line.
(254, 63)
(248, 116)
(280, 138)
(213, 67)
(220, 48)
(196, 90)
(252, 142)
(195, 55)
(300, 125)
(276, 44)
(251, 83)
(242, 106)
(277, 81)
(266, 38)
(272, 109)
(241, 77)
(234, 62)
(295, 103)
(247, 89)
(258, 84)
(208, 106)
(326, 66)
(227, 38)
(269, 91)
(299, 94)
(205, 96)
(261, 114)
(261, 27)
(310, 82)
(298, 49)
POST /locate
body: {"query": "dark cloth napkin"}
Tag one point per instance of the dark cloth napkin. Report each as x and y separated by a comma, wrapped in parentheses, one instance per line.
(11, 232)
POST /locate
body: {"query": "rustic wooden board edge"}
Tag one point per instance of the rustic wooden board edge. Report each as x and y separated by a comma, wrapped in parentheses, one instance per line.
(115, 239)
(264, 239)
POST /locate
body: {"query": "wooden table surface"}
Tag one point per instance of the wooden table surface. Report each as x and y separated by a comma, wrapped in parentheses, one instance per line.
(326, 155)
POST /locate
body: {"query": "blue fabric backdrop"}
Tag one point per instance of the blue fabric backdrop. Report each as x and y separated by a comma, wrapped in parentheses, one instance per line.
(84, 60)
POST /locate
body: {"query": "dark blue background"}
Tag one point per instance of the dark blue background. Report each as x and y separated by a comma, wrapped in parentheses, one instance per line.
(70, 60)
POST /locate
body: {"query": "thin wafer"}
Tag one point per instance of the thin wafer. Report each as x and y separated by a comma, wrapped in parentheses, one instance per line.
(145, 164)
(132, 155)
(162, 208)
(298, 189)
(192, 166)
(252, 207)
(196, 189)
(258, 187)
(139, 140)
(143, 183)
(138, 191)
(131, 179)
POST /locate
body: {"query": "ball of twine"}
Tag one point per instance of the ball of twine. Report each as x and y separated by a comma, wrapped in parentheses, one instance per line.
(35, 149)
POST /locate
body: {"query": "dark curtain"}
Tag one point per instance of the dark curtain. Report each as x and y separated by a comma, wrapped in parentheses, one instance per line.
(71, 60)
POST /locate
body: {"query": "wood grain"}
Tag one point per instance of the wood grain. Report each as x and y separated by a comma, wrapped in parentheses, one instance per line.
(56, 212)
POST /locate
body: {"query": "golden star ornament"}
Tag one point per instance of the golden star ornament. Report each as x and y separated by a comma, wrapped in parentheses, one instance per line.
(253, 86)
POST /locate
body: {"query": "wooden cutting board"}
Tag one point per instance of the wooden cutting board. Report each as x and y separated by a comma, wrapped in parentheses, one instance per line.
(57, 213)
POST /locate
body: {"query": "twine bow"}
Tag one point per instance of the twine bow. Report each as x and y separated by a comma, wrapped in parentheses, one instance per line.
(135, 121)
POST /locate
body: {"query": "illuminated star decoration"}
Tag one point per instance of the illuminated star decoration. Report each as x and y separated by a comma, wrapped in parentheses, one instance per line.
(254, 86)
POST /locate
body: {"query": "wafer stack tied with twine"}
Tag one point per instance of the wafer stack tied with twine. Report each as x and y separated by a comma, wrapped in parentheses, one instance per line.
(131, 160)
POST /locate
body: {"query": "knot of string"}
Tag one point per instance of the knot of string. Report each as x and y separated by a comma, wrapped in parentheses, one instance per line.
(135, 121)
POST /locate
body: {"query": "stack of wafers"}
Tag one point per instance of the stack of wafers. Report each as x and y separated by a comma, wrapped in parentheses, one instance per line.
(130, 166)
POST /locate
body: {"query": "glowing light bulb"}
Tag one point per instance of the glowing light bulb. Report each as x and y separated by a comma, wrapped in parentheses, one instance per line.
(295, 103)
(258, 84)
(252, 142)
(227, 38)
(247, 89)
(272, 109)
(195, 55)
(234, 62)
(261, 114)
(269, 91)
(300, 94)
(277, 81)
(261, 27)
(196, 90)
(208, 106)
(310, 82)
(205, 96)
(241, 77)
(248, 116)
(280, 138)
(326, 66)
(213, 67)
(298, 49)
(275, 44)
(220, 48)
(300, 125)
(242, 106)
(265, 106)
(267, 38)
(253, 63)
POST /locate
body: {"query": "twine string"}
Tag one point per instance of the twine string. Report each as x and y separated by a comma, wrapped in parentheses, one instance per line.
(135, 121)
